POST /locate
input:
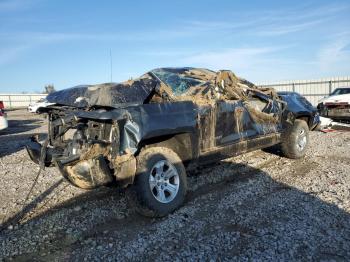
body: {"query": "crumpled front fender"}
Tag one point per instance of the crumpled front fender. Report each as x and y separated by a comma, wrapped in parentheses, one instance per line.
(86, 174)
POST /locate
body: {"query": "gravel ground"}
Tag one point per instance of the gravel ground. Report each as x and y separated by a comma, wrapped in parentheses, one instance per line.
(258, 206)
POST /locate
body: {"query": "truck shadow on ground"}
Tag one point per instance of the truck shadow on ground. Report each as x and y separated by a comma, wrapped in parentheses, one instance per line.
(14, 143)
(274, 150)
(20, 126)
(89, 215)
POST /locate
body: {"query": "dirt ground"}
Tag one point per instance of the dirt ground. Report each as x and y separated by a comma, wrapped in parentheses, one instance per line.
(259, 206)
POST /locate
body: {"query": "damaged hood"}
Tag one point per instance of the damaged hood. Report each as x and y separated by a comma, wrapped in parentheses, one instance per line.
(109, 94)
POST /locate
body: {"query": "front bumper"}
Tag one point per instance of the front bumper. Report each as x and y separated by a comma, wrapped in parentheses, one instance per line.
(341, 114)
(336, 113)
(83, 173)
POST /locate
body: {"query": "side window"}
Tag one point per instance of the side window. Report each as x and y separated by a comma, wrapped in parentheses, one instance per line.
(345, 91)
(178, 83)
(335, 92)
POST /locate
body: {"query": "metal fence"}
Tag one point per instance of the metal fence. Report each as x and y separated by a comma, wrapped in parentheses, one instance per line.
(19, 100)
(313, 90)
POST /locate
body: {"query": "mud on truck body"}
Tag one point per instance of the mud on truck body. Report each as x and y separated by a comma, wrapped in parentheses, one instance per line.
(146, 133)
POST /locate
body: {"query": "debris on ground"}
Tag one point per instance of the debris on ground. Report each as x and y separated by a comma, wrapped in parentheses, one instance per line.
(259, 206)
(328, 125)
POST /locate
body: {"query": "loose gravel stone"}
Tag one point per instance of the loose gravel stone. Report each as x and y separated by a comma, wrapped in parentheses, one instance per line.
(258, 206)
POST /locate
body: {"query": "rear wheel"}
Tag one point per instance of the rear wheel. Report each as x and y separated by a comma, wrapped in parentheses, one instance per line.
(295, 140)
(160, 183)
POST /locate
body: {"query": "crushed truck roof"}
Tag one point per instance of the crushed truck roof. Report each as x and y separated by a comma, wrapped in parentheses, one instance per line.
(186, 83)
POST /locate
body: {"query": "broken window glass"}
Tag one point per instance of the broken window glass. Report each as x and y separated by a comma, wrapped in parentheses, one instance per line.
(178, 83)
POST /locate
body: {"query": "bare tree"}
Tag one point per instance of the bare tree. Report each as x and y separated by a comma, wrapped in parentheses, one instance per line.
(49, 89)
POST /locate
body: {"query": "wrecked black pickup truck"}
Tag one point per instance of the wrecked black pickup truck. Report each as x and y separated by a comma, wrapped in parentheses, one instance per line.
(147, 132)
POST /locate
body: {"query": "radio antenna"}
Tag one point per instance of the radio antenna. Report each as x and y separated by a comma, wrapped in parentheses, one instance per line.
(110, 56)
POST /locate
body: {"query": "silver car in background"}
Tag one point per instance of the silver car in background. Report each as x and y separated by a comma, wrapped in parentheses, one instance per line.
(34, 107)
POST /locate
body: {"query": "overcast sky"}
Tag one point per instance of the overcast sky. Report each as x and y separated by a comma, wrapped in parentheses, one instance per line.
(67, 43)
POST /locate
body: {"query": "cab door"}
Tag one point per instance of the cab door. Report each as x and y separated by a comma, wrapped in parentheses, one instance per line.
(233, 123)
(264, 114)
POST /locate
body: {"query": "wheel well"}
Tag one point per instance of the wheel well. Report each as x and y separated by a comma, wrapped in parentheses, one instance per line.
(305, 118)
(181, 144)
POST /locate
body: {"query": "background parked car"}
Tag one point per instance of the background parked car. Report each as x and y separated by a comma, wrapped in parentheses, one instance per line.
(337, 105)
(33, 107)
(3, 120)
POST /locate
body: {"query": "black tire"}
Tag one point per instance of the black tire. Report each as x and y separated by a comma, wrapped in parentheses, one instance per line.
(295, 140)
(318, 127)
(143, 198)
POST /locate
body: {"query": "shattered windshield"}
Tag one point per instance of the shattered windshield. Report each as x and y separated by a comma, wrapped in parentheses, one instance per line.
(176, 79)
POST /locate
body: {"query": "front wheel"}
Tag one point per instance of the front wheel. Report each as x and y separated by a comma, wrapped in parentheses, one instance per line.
(295, 140)
(160, 182)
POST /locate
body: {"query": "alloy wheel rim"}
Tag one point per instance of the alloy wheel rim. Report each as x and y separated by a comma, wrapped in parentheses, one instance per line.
(301, 140)
(164, 181)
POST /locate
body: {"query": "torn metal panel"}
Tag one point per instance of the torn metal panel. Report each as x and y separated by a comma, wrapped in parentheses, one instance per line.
(130, 137)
